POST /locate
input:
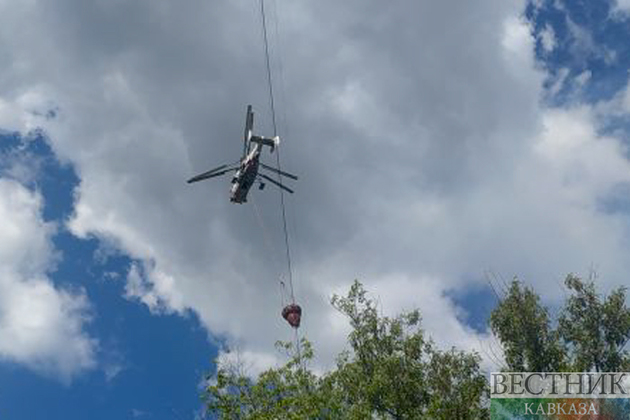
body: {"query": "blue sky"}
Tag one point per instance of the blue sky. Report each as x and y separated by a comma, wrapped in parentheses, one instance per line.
(152, 365)
(427, 157)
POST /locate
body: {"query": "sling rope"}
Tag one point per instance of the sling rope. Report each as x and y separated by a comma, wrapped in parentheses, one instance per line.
(279, 177)
(270, 245)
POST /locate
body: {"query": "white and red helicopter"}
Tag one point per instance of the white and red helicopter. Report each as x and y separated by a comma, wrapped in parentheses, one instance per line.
(247, 167)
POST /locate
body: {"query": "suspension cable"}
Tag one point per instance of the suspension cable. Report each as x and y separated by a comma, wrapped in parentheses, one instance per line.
(269, 79)
(275, 133)
(279, 177)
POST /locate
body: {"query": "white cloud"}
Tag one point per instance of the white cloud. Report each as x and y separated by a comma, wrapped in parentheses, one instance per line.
(583, 46)
(548, 39)
(622, 6)
(587, 164)
(559, 81)
(428, 294)
(247, 362)
(424, 153)
(155, 289)
(625, 101)
(138, 413)
(583, 78)
(41, 326)
(517, 39)
(21, 113)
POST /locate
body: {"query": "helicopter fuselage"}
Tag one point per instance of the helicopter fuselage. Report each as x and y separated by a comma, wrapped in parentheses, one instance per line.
(246, 171)
(245, 177)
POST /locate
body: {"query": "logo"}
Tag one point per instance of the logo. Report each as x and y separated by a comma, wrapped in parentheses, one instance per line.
(560, 395)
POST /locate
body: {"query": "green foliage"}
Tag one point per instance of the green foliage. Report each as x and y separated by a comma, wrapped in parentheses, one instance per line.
(457, 389)
(387, 370)
(392, 371)
(524, 329)
(597, 328)
(590, 334)
(289, 392)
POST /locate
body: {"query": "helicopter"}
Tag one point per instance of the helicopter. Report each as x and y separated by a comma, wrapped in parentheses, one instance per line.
(248, 166)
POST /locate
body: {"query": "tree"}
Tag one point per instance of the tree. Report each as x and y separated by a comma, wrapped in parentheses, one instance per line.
(523, 327)
(595, 328)
(392, 371)
(590, 334)
(288, 392)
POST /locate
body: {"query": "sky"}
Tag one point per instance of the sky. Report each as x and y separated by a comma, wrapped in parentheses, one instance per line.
(441, 147)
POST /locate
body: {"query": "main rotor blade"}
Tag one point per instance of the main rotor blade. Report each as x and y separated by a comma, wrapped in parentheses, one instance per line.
(218, 168)
(273, 181)
(209, 174)
(278, 171)
(249, 126)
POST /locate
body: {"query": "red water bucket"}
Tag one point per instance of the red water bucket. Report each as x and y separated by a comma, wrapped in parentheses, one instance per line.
(293, 314)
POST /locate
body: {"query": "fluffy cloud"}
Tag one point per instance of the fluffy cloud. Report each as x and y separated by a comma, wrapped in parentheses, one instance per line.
(623, 5)
(41, 326)
(424, 153)
(548, 39)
